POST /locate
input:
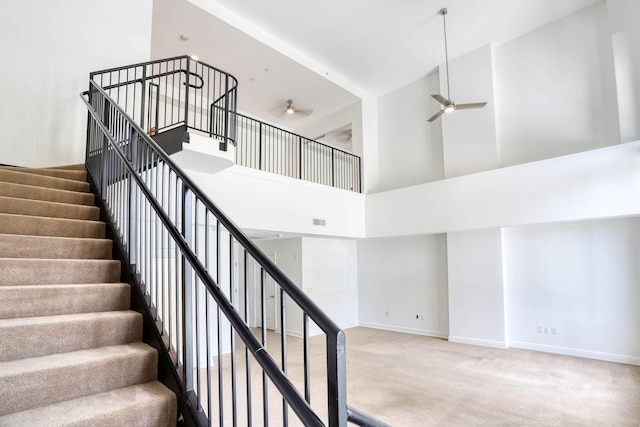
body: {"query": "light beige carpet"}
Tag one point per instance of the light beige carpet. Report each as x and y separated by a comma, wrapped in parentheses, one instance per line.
(409, 380)
(415, 381)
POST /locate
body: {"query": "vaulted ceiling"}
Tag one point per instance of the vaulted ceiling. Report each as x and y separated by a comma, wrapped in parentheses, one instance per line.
(326, 55)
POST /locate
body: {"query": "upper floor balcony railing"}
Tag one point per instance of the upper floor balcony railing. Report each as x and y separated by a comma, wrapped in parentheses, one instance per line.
(155, 93)
(269, 148)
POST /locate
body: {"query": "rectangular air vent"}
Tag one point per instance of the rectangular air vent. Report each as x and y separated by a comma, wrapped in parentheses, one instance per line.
(318, 221)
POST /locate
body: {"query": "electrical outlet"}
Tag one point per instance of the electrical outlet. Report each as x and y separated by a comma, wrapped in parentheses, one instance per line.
(539, 329)
(553, 331)
(546, 330)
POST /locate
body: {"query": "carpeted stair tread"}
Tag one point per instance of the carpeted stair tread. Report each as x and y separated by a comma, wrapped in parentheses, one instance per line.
(50, 300)
(145, 405)
(40, 336)
(46, 247)
(71, 351)
(77, 175)
(30, 271)
(46, 226)
(38, 381)
(9, 189)
(73, 167)
(19, 177)
(19, 206)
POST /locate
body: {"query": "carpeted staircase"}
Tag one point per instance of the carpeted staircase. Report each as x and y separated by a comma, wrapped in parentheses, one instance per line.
(70, 349)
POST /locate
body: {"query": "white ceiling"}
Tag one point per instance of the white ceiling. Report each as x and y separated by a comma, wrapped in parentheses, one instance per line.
(369, 47)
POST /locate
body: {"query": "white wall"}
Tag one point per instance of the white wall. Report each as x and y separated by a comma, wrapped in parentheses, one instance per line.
(49, 48)
(556, 89)
(593, 184)
(330, 277)
(469, 136)
(263, 201)
(401, 278)
(626, 33)
(580, 279)
(410, 148)
(476, 289)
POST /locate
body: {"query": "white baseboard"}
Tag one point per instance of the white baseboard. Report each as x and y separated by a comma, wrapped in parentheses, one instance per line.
(476, 341)
(588, 354)
(413, 331)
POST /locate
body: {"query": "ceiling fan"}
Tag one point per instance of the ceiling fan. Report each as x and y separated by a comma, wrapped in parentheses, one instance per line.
(448, 104)
(291, 110)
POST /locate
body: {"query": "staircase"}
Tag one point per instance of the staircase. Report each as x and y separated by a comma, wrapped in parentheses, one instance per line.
(71, 351)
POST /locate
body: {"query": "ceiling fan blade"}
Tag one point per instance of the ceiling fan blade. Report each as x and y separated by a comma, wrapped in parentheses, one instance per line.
(441, 99)
(436, 115)
(469, 106)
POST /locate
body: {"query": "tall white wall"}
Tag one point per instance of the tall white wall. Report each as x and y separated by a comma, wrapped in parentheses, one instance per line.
(476, 288)
(581, 279)
(409, 146)
(469, 136)
(626, 33)
(402, 284)
(49, 48)
(556, 89)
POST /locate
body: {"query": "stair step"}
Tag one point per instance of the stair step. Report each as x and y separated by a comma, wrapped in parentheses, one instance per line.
(38, 381)
(77, 175)
(9, 189)
(30, 271)
(40, 336)
(54, 227)
(19, 206)
(29, 246)
(73, 167)
(50, 300)
(20, 177)
(144, 405)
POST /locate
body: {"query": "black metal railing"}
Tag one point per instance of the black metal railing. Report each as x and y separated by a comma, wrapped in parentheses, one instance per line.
(269, 148)
(167, 93)
(215, 295)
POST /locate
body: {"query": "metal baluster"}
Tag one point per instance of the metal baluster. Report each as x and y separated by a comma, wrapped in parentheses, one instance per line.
(219, 321)
(232, 336)
(265, 394)
(246, 349)
(305, 356)
(283, 349)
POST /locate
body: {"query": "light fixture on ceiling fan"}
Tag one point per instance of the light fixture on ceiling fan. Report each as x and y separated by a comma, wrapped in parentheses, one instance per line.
(291, 110)
(448, 104)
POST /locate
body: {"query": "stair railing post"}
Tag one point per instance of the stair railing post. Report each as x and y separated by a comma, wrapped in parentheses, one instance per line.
(337, 380)
(143, 95)
(186, 94)
(105, 150)
(187, 284)
(133, 199)
(227, 115)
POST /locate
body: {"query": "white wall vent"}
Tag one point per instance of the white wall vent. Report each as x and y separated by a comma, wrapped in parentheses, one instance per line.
(318, 221)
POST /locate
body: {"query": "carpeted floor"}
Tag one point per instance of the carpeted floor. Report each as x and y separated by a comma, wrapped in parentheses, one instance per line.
(409, 380)
(415, 381)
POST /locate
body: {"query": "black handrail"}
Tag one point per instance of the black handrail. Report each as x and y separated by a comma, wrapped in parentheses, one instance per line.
(183, 102)
(110, 133)
(168, 73)
(298, 404)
